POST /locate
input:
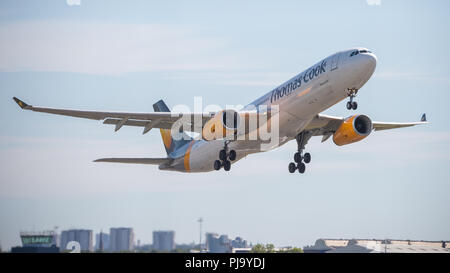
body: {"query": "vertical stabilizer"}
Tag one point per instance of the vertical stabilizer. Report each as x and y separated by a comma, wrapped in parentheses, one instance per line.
(170, 144)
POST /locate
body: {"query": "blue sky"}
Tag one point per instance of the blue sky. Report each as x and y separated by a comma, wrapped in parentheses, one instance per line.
(122, 55)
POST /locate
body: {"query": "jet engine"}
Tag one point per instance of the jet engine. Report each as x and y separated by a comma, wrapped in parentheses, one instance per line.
(223, 125)
(353, 129)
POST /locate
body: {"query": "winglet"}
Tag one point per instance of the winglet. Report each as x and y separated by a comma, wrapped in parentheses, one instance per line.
(423, 118)
(22, 104)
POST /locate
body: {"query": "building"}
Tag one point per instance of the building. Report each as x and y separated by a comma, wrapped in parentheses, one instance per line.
(239, 243)
(121, 239)
(376, 246)
(37, 242)
(217, 244)
(187, 247)
(222, 244)
(241, 250)
(163, 240)
(83, 236)
(104, 241)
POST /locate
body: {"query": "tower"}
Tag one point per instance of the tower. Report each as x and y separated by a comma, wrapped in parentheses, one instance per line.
(200, 221)
(100, 247)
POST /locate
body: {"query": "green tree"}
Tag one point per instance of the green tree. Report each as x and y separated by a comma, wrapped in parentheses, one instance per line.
(270, 248)
(258, 248)
(293, 250)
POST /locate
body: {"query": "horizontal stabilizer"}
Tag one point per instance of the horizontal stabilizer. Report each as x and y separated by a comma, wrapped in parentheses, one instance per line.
(151, 161)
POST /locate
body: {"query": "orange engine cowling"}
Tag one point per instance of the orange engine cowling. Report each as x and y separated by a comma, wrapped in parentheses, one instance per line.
(353, 129)
(223, 125)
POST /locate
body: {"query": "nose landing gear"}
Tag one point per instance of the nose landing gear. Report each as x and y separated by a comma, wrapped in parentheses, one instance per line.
(300, 158)
(351, 92)
(225, 158)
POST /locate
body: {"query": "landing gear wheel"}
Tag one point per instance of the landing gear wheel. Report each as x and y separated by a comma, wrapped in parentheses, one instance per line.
(351, 93)
(223, 155)
(349, 105)
(297, 157)
(307, 158)
(292, 167)
(232, 155)
(226, 165)
(301, 167)
(217, 165)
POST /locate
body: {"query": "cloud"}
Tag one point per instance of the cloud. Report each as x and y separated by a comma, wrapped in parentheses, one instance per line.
(264, 79)
(109, 48)
(411, 76)
(373, 2)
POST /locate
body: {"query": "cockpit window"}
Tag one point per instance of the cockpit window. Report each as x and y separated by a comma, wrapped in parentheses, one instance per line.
(356, 52)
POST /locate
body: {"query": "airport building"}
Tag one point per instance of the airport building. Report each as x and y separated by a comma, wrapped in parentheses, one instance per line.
(37, 242)
(83, 236)
(121, 239)
(163, 240)
(376, 246)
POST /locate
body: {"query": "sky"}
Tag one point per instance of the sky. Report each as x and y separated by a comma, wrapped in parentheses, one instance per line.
(126, 55)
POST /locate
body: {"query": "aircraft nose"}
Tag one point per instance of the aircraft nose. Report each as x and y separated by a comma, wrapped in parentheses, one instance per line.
(369, 61)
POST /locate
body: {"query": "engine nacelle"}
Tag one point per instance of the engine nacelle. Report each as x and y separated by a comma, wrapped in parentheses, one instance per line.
(223, 125)
(353, 129)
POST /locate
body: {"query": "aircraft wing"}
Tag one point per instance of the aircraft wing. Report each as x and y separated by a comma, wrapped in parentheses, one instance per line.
(325, 125)
(163, 120)
(378, 126)
(151, 161)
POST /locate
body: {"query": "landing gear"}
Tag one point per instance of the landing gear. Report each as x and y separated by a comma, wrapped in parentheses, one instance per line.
(225, 158)
(301, 167)
(352, 104)
(227, 165)
(217, 165)
(307, 157)
(232, 155)
(300, 158)
(292, 167)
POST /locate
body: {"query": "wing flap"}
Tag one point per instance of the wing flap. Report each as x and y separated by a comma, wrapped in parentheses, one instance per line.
(379, 126)
(140, 123)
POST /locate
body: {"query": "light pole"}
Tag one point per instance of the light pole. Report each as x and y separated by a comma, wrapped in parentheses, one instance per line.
(200, 221)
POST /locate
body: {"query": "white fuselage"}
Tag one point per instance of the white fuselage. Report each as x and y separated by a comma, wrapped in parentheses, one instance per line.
(299, 100)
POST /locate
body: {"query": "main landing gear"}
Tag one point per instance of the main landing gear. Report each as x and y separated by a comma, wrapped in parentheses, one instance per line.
(300, 158)
(225, 158)
(351, 92)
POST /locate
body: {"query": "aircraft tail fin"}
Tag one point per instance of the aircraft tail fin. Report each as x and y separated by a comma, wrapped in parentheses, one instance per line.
(170, 144)
(423, 118)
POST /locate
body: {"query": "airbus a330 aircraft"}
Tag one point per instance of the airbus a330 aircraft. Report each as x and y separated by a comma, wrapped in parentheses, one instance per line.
(300, 101)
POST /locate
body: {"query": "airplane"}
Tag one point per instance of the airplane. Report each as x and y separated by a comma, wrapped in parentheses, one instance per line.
(298, 102)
